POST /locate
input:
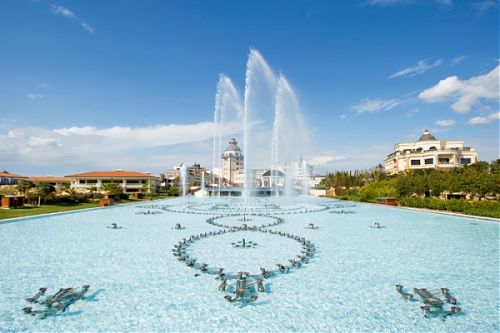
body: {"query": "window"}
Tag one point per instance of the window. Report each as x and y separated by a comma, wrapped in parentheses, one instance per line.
(432, 148)
(415, 162)
(134, 181)
(429, 161)
(91, 181)
(465, 160)
(444, 160)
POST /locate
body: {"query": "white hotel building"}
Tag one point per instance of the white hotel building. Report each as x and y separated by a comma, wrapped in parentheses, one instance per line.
(129, 181)
(428, 152)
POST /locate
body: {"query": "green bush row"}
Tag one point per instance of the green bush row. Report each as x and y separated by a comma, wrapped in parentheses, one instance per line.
(479, 208)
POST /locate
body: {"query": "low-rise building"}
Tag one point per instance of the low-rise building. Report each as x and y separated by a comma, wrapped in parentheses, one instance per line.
(130, 181)
(273, 178)
(428, 152)
(315, 180)
(58, 182)
(7, 178)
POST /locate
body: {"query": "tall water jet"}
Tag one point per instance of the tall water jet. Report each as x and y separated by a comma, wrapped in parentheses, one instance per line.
(269, 114)
(305, 180)
(183, 171)
(274, 140)
(215, 133)
(245, 128)
(227, 120)
(289, 133)
(202, 185)
(255, 65)
(290, 171)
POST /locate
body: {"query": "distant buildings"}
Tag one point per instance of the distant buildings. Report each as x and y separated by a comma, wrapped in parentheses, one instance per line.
(129, 181)
(315, 180)
(194, 174)
(273, 178)
(303, 171)
(428, 152)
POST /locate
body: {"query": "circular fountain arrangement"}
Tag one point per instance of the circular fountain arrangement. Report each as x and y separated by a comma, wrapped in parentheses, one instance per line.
(237, 207)
(245, 285)
(236, 220)
(252, 225)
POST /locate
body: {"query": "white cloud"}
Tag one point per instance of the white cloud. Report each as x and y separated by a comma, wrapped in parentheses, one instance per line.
(412, 112)
(484, 120)
(404, 2)
(325, 158)
(87, 27)
(457, 60)
(420, 68)
(375, 105)
(464, 93)
(485, 5)
(91, 147)
(386, 2)
(63, 11)
(445, 122)
(37, 142)
(140, 137)
(60, 10)
(34, 96)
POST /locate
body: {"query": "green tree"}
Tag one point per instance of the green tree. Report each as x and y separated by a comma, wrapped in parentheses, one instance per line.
(44, 191)
(173, 191)
(24, 186)
(74, 195)
(111, 188)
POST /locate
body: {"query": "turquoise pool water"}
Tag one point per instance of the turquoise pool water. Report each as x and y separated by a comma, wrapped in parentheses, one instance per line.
(137, 284)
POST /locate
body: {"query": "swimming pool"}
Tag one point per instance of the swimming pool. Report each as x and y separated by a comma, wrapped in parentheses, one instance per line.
(348, 283)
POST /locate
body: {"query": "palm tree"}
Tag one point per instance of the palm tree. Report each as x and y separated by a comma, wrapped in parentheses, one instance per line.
(74, 195)
(43, 190)
(146, 190)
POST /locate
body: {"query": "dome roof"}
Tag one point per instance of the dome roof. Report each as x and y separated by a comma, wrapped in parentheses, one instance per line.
(275, 173)
(427, 136)
(232, 146)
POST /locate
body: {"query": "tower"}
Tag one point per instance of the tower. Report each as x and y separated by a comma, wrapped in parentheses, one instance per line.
(233, 164)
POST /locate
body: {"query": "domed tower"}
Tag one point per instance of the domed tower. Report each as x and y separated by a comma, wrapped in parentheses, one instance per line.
(427, 136)
(233, 165)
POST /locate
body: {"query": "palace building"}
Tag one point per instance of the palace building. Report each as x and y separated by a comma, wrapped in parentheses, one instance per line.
(428, 152)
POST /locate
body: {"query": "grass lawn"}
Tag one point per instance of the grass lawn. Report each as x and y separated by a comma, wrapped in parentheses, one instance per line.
(43, 209)
(55, 208)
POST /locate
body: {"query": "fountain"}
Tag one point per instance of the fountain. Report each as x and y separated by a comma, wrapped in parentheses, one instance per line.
(227, 120)
(270, 120)
(183, 180)
(202, 185)
(305, 180)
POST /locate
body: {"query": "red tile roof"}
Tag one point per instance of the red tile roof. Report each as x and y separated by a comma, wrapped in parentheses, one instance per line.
(111, 174)
(50, 179)
(11, 175)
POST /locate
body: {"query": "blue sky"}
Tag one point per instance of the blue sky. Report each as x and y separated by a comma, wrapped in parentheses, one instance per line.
(89, 85)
